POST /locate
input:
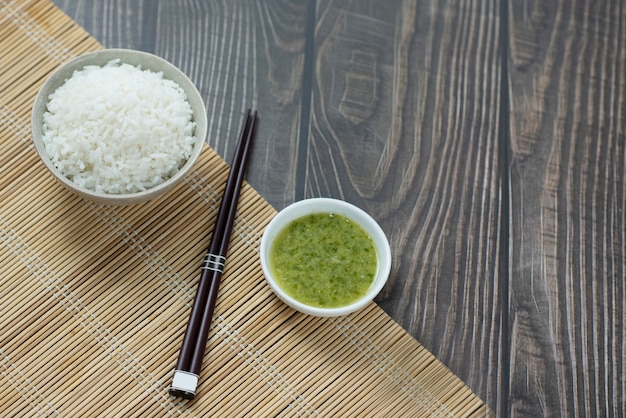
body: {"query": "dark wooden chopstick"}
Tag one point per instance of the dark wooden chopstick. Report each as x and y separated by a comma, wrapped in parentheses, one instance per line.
(186, 374)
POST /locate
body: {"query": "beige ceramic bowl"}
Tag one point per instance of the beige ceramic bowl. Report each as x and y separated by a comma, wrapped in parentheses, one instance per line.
(146, 61)
(325, 205)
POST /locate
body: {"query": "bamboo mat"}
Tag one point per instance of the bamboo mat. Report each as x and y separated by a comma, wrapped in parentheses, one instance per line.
(94, 299)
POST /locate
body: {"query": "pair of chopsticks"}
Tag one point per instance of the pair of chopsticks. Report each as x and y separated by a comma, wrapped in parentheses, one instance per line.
(186, 374)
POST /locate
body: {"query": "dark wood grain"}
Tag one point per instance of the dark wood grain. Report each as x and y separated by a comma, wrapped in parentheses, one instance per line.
(568, 92)
(486, 137)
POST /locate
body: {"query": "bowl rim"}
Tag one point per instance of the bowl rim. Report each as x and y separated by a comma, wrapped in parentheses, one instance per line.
(147, 61)
(327, 205)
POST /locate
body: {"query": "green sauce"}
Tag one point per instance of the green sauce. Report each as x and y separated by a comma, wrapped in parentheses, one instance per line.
(324, 260)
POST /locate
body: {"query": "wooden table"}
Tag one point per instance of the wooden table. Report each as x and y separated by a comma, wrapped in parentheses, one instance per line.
(486, 137)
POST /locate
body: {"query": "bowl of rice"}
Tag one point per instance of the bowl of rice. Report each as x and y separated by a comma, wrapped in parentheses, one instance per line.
(118, 126)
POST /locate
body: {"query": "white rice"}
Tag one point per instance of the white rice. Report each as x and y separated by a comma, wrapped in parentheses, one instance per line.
(118, 128)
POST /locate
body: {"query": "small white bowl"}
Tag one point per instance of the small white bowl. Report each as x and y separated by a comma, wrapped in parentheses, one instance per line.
(147, 62)
(325, 205)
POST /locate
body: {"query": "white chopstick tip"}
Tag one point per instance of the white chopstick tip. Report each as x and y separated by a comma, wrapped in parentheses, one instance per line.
(184, 384)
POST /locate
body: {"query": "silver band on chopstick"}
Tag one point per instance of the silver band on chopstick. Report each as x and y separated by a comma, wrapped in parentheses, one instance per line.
(214, 262)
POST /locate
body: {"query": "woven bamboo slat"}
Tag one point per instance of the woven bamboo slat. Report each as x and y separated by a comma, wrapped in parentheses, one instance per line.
(94, 299)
